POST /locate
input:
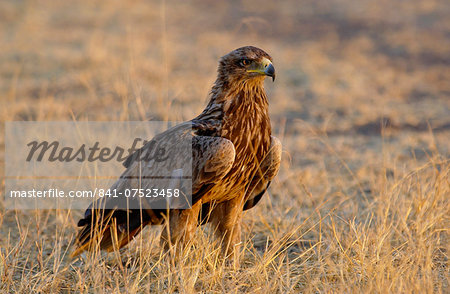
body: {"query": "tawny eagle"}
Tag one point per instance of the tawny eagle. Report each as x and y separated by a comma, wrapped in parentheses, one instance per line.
(234, 159)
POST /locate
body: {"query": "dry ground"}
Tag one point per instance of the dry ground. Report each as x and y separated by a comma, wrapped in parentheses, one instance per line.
(361, 103)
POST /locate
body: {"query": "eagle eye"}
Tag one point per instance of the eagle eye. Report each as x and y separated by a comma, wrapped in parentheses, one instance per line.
(245, 62)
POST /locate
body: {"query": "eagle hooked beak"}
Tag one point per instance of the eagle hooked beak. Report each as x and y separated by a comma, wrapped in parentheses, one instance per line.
(264, 67)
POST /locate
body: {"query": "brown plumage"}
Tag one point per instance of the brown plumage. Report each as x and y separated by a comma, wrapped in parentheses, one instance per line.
(234, 158)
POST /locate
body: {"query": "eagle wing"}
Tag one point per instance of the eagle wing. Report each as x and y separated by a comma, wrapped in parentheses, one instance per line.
(200, 160)
(268, 170)
(203, 160)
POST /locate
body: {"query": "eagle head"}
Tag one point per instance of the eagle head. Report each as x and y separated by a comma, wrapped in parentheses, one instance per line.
(246, 63)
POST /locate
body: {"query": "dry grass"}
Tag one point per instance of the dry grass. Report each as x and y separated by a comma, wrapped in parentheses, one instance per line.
(361, 103)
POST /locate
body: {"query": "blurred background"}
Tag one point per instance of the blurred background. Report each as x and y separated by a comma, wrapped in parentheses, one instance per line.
(361, 104)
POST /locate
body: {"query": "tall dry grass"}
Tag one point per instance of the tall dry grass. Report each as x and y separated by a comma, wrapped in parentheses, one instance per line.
(394, 241)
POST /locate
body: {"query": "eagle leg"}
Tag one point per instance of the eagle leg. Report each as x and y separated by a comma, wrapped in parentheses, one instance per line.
(226, 220)
(180, 227)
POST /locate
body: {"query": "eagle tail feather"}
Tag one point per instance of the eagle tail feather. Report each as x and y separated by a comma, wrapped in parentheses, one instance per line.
(107, 233)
